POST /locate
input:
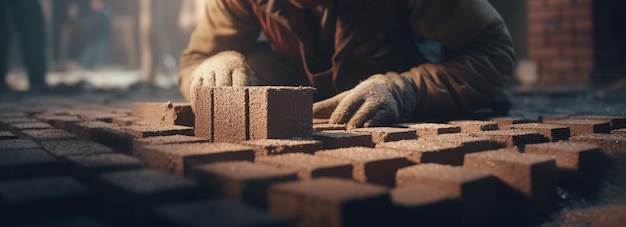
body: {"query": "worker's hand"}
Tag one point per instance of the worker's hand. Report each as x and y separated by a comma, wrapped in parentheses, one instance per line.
(379, 100)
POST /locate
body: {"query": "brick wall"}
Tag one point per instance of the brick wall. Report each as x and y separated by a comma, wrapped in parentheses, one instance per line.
(560, 40)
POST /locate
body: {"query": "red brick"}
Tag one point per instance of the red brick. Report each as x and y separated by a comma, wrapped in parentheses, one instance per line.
(583, 126)
(125, 121)
(419, 151)
(578, 51)
(327, 127)
(561, 39)
(426, 206)
(573, 159)
(512, 137)
(27, 163)
(265, 147)
(427, 129)
(577, 12)
(138, 144)
(544, 52)
(475, 126)
(619, 132)
(6, 135)
(47, 134)
(85, 129)
(387, 134)
(99, 116)
(280, 112)
(164, 113)
(310, 166)
(560, 64)
(64, 148)
(534, 177)
(505, 122)
(559, 3)
(143, 131)
(16, 144)
(378, 166)
(203, 113)
(616, 121)
(331, 202)
(470, 143)
(550, 131)
(178, 158)
(475, 188)
(230, 114)
(341, 139)
(241, 181)
(542, 15)
(611, 144)
(64, 122)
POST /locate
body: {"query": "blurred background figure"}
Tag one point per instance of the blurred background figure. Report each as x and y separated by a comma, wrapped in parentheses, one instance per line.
(99, 28)
(28, 21)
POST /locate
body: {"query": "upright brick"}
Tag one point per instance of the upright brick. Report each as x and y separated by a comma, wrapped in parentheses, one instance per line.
(64, 148)
(583, 126)
(475, 125)
(574, 160)
(551, 131)
(230, 114)
(203, 112)
(16, 144)
(280, 112)
(431, 129)
(241, 181)
(47, 134)
(343, 139)
(265, 147)
(475, 188)
(331, 202)
(6, 135)
(419, 151)
(310, 166)
(138, 144)
(178, 158)
(27, 163)
(612, 144)
(378, 166)
(388, 134)
(143, 131)
(164, 113)
(426, 206)
(512, 137)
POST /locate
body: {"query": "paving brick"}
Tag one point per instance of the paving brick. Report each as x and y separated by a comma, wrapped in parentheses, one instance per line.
(583, 126)
(214, 213)
(87, 166)
(100, 116)
(142, 131)
(69, 221)
(47, 134)
(431, 129)
(551, 131)
(63, 122)
(420, 151)
(619, 132)
(505, 122)
(512, 137)
(280, 112)
(310, 166)
(125, 120)
(5, 123)
(64, 148)
(331, 202)
(327, 127)
(230, 114)
(342, 139)
(470, 143)
(203, 126)
(25, 199)
(241, 181)
(113, 137)
(15, 144)
(265, 147)
(178, 158)
(617, 122)
(573, 159)
(425, 206)
(6, 135)
(612, 144)
(85, 129)
(387, 134)
(17, 127)
(475, 126)
(164, 113)
(138, 144)
(475, 188)
(531, 176)
(378, 166)
(27, 163)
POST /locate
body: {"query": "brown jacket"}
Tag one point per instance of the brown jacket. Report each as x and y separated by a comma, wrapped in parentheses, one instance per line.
(372, 36)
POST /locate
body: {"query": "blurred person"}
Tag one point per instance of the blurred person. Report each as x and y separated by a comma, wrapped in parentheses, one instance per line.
(27, 17)
(99, 28)
(371, 61)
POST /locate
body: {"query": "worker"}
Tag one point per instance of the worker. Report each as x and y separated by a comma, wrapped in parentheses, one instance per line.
(373, 62)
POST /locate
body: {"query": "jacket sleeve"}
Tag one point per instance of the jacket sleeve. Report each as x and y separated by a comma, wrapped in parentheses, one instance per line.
(226, 25)
(478, 55)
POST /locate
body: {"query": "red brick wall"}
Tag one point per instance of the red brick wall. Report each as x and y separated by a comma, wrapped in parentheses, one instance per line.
(560, 40)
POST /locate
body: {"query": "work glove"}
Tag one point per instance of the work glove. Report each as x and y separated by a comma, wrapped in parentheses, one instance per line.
(227, 68)
(382, 99)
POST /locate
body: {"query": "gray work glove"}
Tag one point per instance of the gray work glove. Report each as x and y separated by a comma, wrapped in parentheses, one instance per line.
(227, 68)
(379, 100)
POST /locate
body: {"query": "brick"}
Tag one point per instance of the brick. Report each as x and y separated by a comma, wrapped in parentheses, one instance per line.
(475, 126)
(138, 144)
(113, 137)
(475, 188)
(387, 134)
(327, 127)
(64, 122)
(16, 144)
(27, 163)
(341, 139)
(67, 221)
(178, 158)
(64, 148)
(583, 126)
(310, 166)
(230, 114)
(619, 132)
(280, 112)
(317, 121)
(425, 206)
(550, 131)
(505, 122)
(419, 151)
(265, 147)
(574, 160)
(143, 131)
(617, 122)
(17, 127)
(5, 123)
(99, 116)
(470, 143)
(378, 166)
(6, 135)
(331, 202)
(25, 199)
(215, 213)
(87, 166)
(47, 134)
(85, 129)
(531, 176)
(125, 120)
(203, 123)
(241, 181)
(512, 137)
(611, 144)
(431, 129)
(164, 113)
